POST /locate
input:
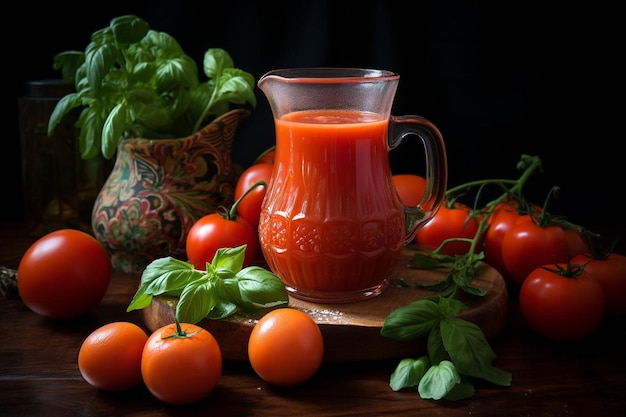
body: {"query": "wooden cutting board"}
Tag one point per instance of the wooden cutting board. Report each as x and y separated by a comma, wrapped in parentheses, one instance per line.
(352, 331)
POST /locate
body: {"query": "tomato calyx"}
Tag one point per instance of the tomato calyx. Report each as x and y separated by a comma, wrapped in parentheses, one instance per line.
(180, 333)
(600, 251)
(567, 270)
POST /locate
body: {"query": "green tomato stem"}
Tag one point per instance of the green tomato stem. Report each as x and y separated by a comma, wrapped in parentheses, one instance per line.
(232, 213)
(530, 165)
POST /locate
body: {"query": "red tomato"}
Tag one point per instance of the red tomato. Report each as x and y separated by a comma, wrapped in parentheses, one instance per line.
(181, 367)
(286, 347)
(502, 219)
(64, 274)
(610, 273)
(250, 206)
(410, 188)
(110, 357)
(448, 223)
(527, 246)
(215, 231)
(560, 307)
(576, 243)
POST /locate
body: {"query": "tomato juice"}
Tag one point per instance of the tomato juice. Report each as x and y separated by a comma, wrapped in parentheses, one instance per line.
(332, 222)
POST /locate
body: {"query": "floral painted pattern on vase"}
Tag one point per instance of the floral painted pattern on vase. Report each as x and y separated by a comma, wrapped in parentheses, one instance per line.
(159, 188)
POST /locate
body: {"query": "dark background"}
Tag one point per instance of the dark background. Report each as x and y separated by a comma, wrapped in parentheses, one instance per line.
(499, 80)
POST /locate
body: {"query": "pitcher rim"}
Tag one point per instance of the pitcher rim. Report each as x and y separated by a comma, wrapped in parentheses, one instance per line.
(340, 74)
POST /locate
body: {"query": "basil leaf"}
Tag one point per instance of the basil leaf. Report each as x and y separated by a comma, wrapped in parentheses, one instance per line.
(168, 274)
(222, 309)
(260, 288)
(460, 391)
(161, 276)
(408, 373)
(469, 350)
(436, 350)
(438, 381)
(412, 321)
(195, 302)
(229, 258)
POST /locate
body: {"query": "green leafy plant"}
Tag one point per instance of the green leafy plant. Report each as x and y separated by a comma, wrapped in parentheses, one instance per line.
(134, 82)
(219, 292)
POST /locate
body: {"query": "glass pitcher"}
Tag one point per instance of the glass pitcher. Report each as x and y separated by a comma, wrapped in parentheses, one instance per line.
(332, 226)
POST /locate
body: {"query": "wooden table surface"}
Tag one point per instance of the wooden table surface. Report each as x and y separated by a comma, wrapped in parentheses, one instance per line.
(39, 374)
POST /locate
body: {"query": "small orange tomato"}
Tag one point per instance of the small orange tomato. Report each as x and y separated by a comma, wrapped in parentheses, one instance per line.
(181, 364)
(286, 347)
(110, 357)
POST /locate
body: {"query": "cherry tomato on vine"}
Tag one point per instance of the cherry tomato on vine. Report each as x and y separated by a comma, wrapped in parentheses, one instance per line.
(576, 243)
(449, 222)
(527, 246)
(410, 188)
(286, 347)
(220, 230)
(561, 307)
(181, 365)
(64, 274)
(250, 206)
(504, 216)
(610, 273)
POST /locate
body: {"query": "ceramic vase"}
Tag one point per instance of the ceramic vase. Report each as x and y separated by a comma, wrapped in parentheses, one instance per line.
(158, 188)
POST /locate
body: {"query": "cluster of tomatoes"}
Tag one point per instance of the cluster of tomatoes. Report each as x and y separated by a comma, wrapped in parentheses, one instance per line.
(565, 287)
(66, 273)
(181, 363)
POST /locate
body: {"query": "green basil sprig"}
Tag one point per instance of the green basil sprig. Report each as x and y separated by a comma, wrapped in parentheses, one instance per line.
(219, 292)
(457, 350)
(135, 82)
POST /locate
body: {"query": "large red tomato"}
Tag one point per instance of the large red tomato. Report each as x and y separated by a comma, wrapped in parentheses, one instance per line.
(64, 274)
(576, 243)
(610, 272)
(448, 223)
(216, 231)
(561, 307)
(502, 219)
(527, 246)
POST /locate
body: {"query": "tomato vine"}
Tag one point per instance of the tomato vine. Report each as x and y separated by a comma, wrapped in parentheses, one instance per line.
(457, 349)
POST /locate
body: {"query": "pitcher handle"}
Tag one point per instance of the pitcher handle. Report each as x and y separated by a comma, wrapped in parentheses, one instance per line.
(436, 168)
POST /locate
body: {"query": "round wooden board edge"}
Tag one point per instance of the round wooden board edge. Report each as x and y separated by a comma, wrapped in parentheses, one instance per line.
(347, 337)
